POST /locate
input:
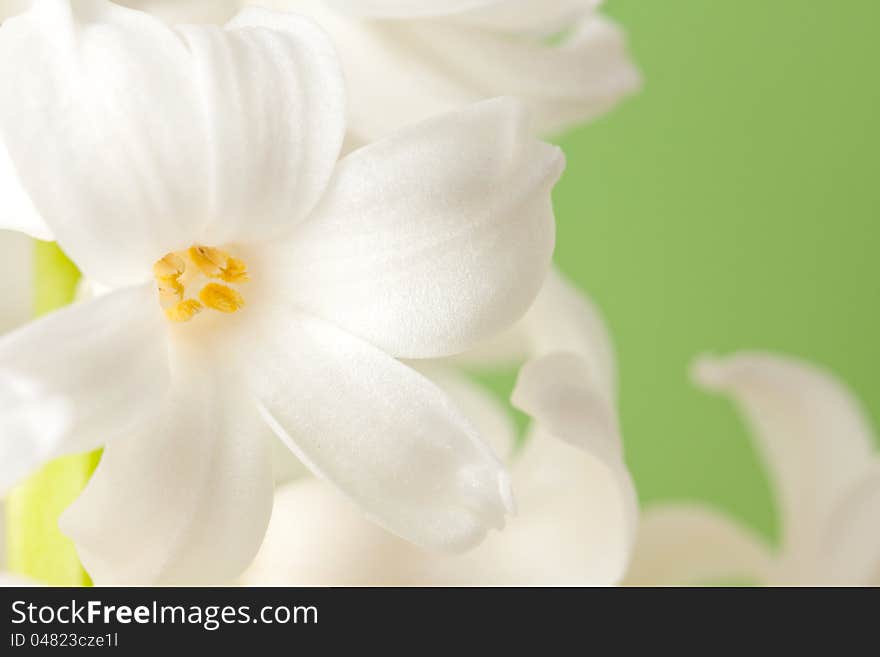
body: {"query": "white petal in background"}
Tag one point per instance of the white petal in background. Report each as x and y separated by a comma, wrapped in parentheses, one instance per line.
(183, 502)
(851, 546)
(122, 180)
(381, 432)
(433, 239)
(809, 429)
(687, 544)
(823, 468)
(463, 52)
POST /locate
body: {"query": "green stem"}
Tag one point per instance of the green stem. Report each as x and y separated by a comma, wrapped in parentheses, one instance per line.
(36, 548)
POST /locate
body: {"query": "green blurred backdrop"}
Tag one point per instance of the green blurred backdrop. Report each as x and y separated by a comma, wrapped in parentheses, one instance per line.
(733, 204)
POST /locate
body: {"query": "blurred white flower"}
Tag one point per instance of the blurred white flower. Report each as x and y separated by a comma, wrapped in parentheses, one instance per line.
(576, 503)
(408, 60)
(825, 474)
(203, 162)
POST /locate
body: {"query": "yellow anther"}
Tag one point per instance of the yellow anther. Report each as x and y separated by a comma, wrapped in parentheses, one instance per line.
(183, 311)
(235, 271)
(221, 297)
(171, 266)
(209, 260)
(182, 279)
(170, 287)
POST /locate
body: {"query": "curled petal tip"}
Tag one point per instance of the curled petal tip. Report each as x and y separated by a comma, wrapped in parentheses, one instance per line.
(709, 372)
(506, 490)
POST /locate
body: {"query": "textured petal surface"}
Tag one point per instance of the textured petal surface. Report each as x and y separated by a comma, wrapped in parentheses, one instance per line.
(381, 432)
(186, 500)
(688, 545)
(433, 239)
(318, 538)
(809, 429)
(153, 138)
(107, 357)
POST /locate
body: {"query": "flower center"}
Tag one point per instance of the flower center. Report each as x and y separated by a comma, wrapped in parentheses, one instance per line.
(187, 282)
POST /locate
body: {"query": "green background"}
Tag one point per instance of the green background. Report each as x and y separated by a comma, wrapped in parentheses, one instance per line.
(732, 204)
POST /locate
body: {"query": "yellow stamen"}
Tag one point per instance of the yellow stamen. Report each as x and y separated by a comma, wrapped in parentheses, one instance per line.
(221, 297)
(182, 278)
(209, 260)
(171, 266)
(170, 287)
(235, 271)
(183, 311)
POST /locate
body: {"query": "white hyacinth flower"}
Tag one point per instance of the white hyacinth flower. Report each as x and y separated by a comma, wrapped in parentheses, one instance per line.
(577, 511)
(824, 472)
(253, 278)
(407, 60)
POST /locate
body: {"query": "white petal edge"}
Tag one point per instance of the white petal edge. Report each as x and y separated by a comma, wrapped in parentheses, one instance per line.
(107, 358)
(557, 390)
(485, 411)
(562, 318)
(388, 438)
(684, 544)
(192, 135)
(17, 211)
(186, 500)
(809, 429)
(431, 240)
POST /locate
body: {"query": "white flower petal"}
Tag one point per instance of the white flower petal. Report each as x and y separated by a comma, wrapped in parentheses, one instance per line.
(562, 319)
(153, 139)
(852, 538)
(382, 433)
(186, 501)
(528, 16)
(453, 63)
(17, 212)
(107, 357)
(32, 423)
(318, 538)
(433, 239)
(404, 8)
(12, 7)
(16, 278)
(687, 545)
(187, 11)
(558, 392)
(808, 427)
(575, 524)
